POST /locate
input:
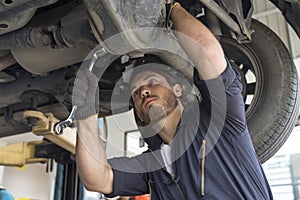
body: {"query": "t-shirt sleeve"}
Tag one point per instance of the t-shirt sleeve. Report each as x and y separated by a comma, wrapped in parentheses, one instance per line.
(130, 177)
(224, 96)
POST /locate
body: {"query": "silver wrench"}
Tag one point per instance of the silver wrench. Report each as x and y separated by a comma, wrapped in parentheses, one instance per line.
(60, 126)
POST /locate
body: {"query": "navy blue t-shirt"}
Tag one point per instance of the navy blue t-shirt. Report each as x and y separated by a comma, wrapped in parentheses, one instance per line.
(212, 152)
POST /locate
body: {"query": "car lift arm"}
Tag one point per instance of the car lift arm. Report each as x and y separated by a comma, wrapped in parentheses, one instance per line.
(23, 153)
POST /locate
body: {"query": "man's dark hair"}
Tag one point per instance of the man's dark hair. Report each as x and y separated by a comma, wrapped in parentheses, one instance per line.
(171, 75)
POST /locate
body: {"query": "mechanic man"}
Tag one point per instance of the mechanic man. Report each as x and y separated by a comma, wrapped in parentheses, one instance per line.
(194, 155)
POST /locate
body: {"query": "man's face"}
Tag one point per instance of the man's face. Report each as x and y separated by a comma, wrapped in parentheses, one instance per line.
(152, 96)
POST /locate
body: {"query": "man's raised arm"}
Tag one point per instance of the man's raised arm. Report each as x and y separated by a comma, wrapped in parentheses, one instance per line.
(199, 43)
(94, 170)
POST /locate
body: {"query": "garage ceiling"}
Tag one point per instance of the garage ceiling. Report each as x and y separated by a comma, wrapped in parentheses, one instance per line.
(268, 14)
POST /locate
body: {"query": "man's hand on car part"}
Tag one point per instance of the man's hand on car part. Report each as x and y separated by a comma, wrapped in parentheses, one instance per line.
(85, 94)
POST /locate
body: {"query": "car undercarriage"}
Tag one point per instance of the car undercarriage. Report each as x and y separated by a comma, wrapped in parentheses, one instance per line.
(44, 43)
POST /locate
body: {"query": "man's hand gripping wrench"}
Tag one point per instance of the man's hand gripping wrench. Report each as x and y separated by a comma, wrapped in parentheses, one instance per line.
(60, 126)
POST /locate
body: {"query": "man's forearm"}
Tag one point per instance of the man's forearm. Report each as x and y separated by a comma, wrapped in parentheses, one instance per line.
(199, 43)
(92, 164)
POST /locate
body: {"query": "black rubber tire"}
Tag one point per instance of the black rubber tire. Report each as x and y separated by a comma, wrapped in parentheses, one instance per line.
(272, 113)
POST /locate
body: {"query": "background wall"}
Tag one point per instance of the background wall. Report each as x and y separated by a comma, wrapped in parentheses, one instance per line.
(117, 126)
(30, 182)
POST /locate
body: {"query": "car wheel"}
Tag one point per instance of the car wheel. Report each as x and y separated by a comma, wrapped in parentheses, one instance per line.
(270, 87)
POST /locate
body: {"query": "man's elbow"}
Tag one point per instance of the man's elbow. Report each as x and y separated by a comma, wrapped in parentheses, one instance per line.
(103, 188)
(214, 55)
(99, 183)
(91, 187)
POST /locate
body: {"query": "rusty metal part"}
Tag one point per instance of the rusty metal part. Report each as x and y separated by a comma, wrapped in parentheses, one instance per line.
(20, 154)
(45, 126)
(49, 59)
(6, 61)
(135, 27)
(16, 14)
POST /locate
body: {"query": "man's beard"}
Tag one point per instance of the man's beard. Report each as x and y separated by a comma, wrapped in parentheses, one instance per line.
(157, 115)
(159, 112)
